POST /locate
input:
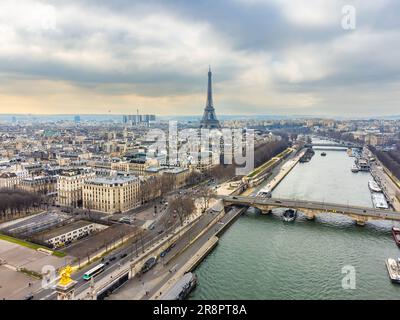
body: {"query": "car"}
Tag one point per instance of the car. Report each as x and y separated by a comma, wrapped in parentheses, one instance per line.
(160, 231)
(277, 201)
(112, 259)
(123, 255)
(172, 245)
(234, 198)
(28, 297)
(163, 254)
(150, 263)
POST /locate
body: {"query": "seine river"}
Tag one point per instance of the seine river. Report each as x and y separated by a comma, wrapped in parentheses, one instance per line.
(261, 257)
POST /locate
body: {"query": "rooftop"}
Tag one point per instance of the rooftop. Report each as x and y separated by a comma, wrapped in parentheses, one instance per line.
(46, 235)
(111, 180)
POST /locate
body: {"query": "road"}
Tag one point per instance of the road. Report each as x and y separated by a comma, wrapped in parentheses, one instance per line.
(132, 250)
(156, 278)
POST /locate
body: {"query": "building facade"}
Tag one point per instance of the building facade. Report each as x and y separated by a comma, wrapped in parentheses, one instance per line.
(111, 194)
(41, 184)
(70, 185)
(11, 180)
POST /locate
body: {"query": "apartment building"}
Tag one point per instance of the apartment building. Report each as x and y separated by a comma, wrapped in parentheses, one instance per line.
(70, 186)
(112, 194)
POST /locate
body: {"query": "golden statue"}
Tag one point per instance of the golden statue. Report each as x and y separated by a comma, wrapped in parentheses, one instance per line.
(65, 274)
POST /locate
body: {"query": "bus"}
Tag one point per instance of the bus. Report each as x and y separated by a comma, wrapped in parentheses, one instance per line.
(94, 271)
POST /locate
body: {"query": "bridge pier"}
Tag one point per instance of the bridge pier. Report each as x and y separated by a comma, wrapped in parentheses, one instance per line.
(360, 221)
(310, 215)
(265, 211)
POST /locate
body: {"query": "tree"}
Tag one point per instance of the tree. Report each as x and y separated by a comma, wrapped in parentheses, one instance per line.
(167, 184)
(205, 194)
(194, 177)
(221, 172)
(182, 207)
(16, 202)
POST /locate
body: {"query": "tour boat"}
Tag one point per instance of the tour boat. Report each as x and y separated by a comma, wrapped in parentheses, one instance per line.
(323, 154)
(396, 235)
(354, 168)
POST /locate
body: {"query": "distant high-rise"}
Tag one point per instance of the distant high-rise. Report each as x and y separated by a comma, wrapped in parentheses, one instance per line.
(139, 119)
(209, 120)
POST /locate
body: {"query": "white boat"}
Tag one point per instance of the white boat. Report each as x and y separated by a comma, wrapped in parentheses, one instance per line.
(379, 200)
(264, 193)
(354, 168)
(182, 288)
(373, 186)
(393, 268)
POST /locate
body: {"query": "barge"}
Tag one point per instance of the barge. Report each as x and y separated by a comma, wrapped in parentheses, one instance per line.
(182, 287)
(396, 235)
(393, 268)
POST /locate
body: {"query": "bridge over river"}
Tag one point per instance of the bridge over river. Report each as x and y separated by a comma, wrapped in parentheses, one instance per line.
(332, 145)
(311, 208)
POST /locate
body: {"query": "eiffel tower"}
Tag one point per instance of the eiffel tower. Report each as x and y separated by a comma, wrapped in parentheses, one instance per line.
(209, 120)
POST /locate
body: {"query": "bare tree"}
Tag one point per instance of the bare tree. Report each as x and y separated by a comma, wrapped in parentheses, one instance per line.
(205, 194)
(16, 202)
(221, 172)
(182, 207)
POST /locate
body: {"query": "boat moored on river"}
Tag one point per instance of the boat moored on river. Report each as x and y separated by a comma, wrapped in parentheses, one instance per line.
(354, 168)
(396, 235)
(393, 268)
(182, 288)
(264, 193)
(373, 186)
(379, 200)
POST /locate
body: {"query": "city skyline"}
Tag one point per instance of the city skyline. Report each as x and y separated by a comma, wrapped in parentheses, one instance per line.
(268, 57)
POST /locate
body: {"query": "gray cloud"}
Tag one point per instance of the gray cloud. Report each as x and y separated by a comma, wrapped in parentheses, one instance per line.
(275, 56)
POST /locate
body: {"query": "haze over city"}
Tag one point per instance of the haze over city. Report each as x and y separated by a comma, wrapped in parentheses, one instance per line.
(267, 56)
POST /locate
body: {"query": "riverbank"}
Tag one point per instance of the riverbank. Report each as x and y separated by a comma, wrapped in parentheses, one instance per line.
(225, 221)
(292, 260)
(282, 172)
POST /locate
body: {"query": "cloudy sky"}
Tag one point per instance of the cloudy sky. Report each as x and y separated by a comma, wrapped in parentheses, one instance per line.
(267, 56)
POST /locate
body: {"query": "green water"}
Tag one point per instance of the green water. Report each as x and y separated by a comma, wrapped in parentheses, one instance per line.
(261, 257)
